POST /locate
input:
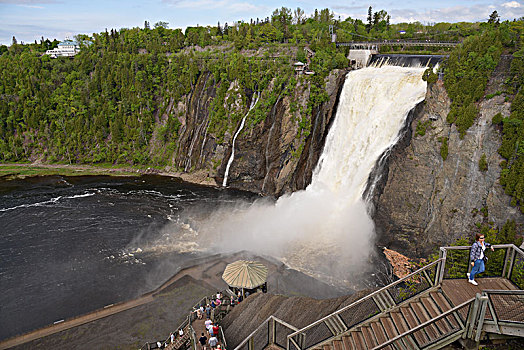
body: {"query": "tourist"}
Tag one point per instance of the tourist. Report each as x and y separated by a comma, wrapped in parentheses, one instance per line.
(181, 332)
(219, 295)
(232, 301)
(202, 340)
(208, 311)
(215, 330)
(477, 257)
(213, 341)
(199, 313)
(208, 322)
(172, 336)
(218, 302)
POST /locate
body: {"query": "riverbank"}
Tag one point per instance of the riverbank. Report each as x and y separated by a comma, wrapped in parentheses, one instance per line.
(23, 170)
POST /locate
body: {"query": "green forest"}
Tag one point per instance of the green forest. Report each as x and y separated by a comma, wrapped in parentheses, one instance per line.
(110, 103)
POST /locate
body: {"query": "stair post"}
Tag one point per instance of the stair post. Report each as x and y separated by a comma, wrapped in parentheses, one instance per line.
(273, 330)
(482, 315)
(472, 318)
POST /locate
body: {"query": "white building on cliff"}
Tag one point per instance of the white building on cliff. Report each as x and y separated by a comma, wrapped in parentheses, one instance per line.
(67, 48)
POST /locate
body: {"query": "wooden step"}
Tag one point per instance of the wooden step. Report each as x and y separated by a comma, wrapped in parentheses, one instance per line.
(420, 336)
(358, 338)
(380, 334)
(389, 327)
(444, 306)
(433, 310)
(369, 337)
(397, 324)
(441, 301)
(423, 316)
(337, 345)
(348, 342)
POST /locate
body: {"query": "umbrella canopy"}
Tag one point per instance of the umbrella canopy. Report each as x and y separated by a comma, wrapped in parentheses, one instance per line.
(245, 274)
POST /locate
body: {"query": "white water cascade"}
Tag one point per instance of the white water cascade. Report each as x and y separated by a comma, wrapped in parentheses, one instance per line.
(253, 104)
(325, 230)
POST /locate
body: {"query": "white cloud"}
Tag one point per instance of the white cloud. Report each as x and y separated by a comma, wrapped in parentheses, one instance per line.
(212, 4)
(511, 4)
(31, 6)
(460, 13)
(26, 2)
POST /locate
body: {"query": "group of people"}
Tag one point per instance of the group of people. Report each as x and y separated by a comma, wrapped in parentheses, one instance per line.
(172, 338)
(212, 331)
(215, 302)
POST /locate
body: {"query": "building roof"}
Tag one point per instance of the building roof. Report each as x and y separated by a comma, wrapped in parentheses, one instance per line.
(68, 42)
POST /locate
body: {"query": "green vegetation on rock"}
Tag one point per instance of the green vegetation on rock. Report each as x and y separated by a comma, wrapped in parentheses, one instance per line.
(512, 147)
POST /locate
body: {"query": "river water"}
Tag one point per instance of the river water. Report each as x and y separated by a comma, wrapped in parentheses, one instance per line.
(69, 245)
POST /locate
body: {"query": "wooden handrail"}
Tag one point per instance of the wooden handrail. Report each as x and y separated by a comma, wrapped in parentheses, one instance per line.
(302, 330)
(422, 325)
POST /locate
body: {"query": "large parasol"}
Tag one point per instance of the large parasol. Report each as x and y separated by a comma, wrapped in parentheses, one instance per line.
(245, 274)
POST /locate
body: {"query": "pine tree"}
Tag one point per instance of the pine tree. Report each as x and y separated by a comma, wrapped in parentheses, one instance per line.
(370, 19)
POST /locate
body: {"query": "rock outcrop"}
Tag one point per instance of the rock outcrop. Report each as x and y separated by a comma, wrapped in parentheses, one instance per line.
(424, 201)
(271, 157)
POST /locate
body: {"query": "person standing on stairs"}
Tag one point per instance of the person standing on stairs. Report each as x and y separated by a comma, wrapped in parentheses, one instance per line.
(203, 340)
(477, 257)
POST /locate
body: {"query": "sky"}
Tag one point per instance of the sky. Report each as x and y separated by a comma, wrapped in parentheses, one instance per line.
(29, 20)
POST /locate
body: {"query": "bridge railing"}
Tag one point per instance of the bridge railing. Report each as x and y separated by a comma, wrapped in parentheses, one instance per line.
(271, 331)
(378, 43)
(361, 310)
(506, 261)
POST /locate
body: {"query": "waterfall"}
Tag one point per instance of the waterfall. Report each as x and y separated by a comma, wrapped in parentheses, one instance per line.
(253, 103)
(372, 110)
(325, 230)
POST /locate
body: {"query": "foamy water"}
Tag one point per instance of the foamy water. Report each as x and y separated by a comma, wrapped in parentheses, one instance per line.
(324, 230)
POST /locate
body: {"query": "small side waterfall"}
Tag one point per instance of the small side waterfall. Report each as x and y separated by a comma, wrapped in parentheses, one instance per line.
(253, 104)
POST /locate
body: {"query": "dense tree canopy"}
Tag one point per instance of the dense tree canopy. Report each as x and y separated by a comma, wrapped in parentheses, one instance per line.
(106, 103)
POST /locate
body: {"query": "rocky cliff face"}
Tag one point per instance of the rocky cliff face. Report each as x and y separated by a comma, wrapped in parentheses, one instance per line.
(423, 201)
(271, 157)
(420, 201)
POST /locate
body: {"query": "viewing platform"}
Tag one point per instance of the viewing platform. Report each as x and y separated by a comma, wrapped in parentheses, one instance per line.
(427, 309)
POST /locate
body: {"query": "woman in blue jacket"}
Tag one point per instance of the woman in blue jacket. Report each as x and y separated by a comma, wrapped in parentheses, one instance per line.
(477, 256)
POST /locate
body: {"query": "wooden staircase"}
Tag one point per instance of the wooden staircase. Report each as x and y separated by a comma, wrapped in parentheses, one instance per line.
(180, 341)
(388, 325)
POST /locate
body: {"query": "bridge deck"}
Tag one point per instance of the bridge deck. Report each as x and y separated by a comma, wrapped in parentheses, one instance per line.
(460, 290)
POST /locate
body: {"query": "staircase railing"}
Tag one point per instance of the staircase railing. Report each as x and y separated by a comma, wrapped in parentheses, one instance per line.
(504, 312)
(456, 327)
(506, 261)
(271, 331)
(356, 313)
